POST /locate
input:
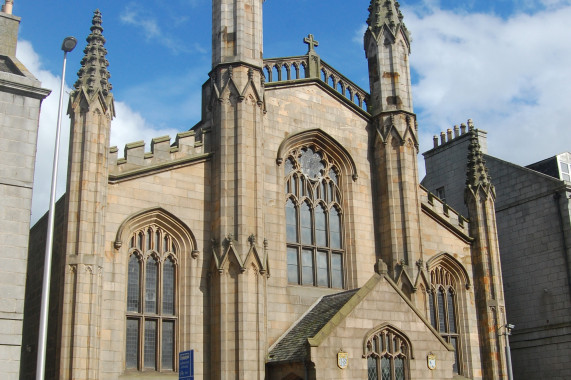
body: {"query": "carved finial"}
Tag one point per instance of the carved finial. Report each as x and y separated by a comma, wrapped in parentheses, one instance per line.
(477, 172)
(381, 267)
(265, 244)
(230, 239)
(420, 263)
(251, 73)
(93, 74)
(385, 12)
(311, 42)
(252, 239)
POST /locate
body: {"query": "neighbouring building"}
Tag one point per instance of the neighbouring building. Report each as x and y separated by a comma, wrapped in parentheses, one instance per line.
(533, 213)
(21, 95)
(284, 236)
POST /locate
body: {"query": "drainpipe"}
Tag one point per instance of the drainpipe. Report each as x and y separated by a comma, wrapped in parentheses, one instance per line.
(556, 198)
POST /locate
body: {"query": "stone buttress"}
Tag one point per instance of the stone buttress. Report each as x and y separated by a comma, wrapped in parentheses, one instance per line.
(91, 109)
(394, 142)
(480, 197)
(238, 275)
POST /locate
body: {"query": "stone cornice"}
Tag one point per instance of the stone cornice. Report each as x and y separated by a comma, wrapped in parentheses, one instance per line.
(20, 88)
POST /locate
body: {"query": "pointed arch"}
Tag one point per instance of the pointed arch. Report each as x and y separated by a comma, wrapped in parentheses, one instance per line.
(165, 221)
(453, 266)
(386, 327)
(319, 137)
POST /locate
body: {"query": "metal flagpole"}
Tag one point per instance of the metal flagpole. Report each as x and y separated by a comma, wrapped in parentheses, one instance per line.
(67, 46)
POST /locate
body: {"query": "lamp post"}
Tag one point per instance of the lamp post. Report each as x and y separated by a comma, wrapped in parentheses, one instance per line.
(509, 327)
(67, 46)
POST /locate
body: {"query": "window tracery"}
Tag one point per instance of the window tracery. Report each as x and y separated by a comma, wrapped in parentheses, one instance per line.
(315, 254)
(151, 315)
(388, 355)
(442, 309)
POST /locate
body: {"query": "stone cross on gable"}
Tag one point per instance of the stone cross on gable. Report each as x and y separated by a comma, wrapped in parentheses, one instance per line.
(311, 42)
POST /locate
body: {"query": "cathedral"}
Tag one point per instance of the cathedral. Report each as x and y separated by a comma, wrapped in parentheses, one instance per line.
(285, 236)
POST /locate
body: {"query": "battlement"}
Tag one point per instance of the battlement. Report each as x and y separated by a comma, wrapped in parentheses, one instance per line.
(186, 146)
(442, 211)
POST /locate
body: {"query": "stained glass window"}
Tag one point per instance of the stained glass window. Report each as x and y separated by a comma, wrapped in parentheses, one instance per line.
(313, 213)
(133, 284)
(168, 287)
(320, 227)
(307, 267)
(151, 286)
(291, 221)
(451, 313)
(167, 359)
(442, 309)
(441, 312)
(132, 343)
(151, 344)
(306, 224)
(386, 368)
(336, 270)
(372, 368)
(292, 265)
(151, 301)
(387, 351)
(322, 269)
(399, 368)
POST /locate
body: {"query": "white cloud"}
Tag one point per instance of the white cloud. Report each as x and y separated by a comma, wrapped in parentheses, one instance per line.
(130, 126)
(136, 15)
(127, 127)
(510, 75)
(46, 133)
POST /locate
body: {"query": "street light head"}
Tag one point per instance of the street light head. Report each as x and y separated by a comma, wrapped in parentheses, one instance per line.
(68, 44)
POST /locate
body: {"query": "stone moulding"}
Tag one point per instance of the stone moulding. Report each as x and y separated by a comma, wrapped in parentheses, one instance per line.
(162, 218)
(451, 264)
(323, 140)
(394, 330)
(145, 171)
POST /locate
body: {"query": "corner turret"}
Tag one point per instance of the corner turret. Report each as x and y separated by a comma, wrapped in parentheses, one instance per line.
(395, 140)
(91, 109)
(480, 197)
(387, 47)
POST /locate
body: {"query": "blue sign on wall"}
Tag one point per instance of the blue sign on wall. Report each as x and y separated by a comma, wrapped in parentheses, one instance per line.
(186, 365)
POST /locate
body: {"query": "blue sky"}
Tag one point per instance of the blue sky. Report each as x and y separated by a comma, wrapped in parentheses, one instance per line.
(503, 63)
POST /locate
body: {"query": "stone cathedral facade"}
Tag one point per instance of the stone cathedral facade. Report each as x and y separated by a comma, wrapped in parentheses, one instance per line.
(284, 236)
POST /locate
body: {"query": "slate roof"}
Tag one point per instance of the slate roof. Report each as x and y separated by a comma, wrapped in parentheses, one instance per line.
(293, 347)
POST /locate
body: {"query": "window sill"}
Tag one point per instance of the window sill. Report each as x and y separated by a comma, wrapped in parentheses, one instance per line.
(151, 375)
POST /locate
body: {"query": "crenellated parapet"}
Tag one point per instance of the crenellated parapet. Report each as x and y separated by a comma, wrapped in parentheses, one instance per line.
(442, 212)
(187, 147)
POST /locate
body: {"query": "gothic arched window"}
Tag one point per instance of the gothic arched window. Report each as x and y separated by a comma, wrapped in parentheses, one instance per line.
(388, 355)
(442, 309)
(151, 318)
(314, 233)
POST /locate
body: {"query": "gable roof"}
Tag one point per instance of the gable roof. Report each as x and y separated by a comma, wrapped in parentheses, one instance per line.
(327, 314)
(293, 346)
